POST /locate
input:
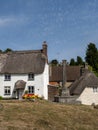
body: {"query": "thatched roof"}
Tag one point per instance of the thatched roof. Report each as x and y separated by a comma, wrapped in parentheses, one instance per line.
(89, 79)
(72, 73)
(23, 62)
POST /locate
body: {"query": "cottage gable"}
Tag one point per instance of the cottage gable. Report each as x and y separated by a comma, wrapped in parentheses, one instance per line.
(89, 79)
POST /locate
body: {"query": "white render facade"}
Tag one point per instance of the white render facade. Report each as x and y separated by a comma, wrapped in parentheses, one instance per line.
(40, 84)
(89, 96)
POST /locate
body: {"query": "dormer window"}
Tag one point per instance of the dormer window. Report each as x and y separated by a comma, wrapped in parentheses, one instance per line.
(7, 77)
(31, 76)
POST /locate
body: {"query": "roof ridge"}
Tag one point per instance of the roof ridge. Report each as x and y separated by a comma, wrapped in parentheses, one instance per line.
(25, 51)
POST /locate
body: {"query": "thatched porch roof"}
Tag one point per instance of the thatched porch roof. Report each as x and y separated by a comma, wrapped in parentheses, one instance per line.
(20, 84)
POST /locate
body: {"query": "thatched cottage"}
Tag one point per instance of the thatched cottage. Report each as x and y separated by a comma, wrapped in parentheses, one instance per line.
(22, 71)
(86, 89)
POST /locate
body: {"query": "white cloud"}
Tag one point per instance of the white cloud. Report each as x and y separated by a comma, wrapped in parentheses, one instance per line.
(6, 21)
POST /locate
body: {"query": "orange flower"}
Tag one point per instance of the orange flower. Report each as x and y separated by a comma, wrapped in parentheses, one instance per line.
(29, 96)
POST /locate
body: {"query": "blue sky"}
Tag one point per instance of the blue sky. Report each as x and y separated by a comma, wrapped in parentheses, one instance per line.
(68, 26)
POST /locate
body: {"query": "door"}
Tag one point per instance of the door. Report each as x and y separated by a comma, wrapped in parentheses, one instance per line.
(19, 94)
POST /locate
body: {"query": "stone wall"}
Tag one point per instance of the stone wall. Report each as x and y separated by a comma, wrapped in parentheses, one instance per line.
(67, 99)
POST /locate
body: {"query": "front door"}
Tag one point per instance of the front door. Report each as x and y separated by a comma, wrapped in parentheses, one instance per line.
(19, 93)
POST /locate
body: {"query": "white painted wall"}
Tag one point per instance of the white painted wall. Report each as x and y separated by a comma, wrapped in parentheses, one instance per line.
(46, 81)
(88, 97)
(40, 83)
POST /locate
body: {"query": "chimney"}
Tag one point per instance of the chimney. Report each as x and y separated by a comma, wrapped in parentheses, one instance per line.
(45, 48)
(64, 73)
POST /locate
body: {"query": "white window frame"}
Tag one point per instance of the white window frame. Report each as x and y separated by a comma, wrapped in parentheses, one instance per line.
(30, 76)
(31, 89)
(95, 89)
(7, 90)
(7, 77)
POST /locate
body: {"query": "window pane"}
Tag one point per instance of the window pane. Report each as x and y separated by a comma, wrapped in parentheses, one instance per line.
(31, 89)
(7, 90)
(95, 89)
(7, 77)
(30, 76)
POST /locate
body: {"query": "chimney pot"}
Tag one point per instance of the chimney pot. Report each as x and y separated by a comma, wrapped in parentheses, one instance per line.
(45, 48)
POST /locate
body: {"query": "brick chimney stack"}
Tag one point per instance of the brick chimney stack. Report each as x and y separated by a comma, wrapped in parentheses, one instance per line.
(45, 48)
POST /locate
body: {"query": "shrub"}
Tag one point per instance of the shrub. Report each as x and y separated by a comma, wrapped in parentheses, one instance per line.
(26, 91)
(1, 98)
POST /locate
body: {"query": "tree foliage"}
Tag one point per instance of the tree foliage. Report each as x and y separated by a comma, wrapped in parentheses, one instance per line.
(0, 51)
(8, 50)
(79, 61)
(54, 62)
(72, 62)
(92, 56)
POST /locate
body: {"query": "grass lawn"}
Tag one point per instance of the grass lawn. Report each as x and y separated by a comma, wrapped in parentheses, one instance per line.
(44, 115)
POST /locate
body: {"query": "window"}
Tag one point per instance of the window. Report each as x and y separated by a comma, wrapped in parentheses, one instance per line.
(30, 89)
(30, 76)
(7, 90)
(95, 89)
(7, 77)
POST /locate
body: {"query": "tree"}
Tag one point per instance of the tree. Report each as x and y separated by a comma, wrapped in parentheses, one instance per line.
(0, 51)
(79, 61)
(92, 56)
(8, 50)
(72, 62)
(54, 62)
